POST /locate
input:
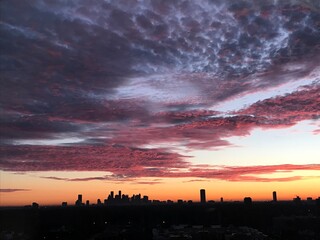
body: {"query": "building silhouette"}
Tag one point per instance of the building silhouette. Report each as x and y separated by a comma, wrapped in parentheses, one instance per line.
(274, 196)
(297, 200)
(79, 200)
(120, 199)
(138, 217)
(35, 205)
(309, 200)
(202, 195)
(247, 200)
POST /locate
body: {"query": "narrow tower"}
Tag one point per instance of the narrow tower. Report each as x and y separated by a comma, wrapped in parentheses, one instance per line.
(274, 196)
(80, 198)
(202, 195)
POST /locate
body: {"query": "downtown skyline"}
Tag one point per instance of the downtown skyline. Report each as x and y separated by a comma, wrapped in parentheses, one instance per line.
(159, 97)
(122, 199)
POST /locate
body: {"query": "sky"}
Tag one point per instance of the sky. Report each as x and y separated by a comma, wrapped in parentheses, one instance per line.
(158, 97)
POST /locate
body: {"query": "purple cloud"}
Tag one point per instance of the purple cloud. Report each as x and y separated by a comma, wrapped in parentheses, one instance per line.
(125, 77)
(81, 158)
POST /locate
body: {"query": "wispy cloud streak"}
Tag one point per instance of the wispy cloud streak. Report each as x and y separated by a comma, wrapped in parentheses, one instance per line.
(11, 190)
(226, 173)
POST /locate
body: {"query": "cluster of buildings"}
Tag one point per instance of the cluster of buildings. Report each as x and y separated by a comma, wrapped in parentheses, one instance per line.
(114, 199)
(119, 199)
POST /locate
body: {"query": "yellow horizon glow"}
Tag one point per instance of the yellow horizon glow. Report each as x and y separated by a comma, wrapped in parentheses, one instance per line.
(169, 189)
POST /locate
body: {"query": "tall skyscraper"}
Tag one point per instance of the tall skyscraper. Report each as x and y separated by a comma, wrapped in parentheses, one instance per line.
(274, 196)
(79, 200)
(202, 195)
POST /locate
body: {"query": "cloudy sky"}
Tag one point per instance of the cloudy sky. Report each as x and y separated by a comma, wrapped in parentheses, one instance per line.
(152, 96)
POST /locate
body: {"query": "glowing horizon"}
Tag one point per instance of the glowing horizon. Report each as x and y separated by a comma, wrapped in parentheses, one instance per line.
(188, 190)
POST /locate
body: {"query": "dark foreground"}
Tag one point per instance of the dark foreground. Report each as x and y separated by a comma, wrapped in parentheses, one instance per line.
(214, 221)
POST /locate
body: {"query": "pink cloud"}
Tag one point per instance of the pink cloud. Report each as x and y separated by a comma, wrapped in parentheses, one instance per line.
(226, 173)
(91, 158)
(123, 153)
(205, 130)
(294, 107)
(199, 133)
(128, 163)
(317, 131)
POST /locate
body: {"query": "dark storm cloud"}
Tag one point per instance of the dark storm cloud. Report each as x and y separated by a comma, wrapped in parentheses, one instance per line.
(137, 73)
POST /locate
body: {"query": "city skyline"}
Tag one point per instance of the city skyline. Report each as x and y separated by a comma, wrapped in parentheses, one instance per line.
(138, 217)
(113, 199)
(160, 97)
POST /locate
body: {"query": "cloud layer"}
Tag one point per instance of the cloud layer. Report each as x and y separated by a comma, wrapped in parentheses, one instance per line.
(209, 172)
(123, 86)
(11, 190)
